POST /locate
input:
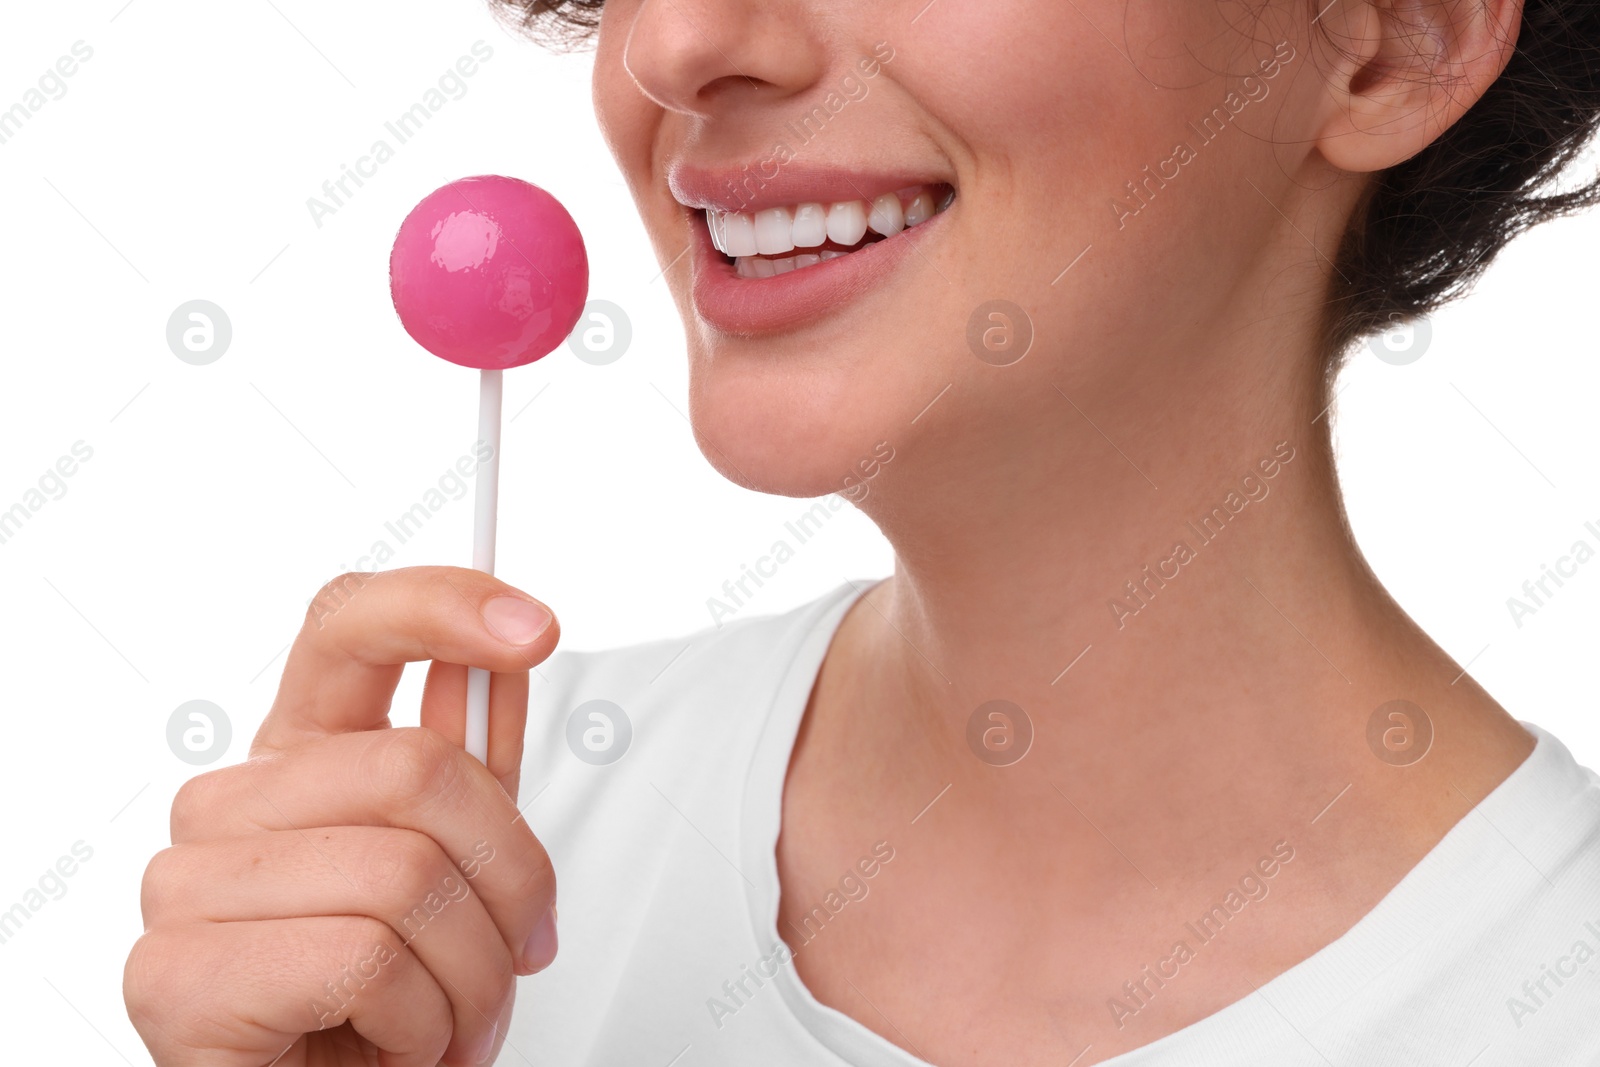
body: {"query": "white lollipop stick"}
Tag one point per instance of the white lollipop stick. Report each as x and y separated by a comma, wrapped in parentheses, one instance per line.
(486, 502)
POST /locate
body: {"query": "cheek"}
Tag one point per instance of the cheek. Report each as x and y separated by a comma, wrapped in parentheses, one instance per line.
(1026, 80)
(1061, 108)
(1054, 120)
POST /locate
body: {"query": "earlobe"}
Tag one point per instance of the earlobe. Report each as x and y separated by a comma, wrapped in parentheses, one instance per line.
(1401, 72)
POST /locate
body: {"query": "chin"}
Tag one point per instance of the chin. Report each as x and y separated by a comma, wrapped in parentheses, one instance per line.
(777, 423)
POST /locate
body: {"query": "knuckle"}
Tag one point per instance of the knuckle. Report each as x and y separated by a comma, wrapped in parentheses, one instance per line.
(157, 989)
(161, 877)
(194, 805)
(334, 595)
(403, 871)
(362, 936)
(412, 765)
(368, 955)
(360, 956)
(535, 876)
(145, 974)
(446, 579)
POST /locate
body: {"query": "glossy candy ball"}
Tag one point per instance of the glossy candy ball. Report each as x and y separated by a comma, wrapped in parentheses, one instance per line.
(489, 272)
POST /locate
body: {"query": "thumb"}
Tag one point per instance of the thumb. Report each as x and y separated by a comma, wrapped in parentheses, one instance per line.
(342, 671)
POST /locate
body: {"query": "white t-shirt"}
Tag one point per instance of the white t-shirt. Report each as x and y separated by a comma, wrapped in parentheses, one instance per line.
(1486, 954)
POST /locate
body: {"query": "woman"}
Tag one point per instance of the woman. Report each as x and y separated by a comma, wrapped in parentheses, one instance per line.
(1132, 761)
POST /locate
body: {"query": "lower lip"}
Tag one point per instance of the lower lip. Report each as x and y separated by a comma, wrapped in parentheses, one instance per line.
(739, 305)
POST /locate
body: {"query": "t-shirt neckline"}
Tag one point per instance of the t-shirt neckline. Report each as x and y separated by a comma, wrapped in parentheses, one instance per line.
(1517, 806)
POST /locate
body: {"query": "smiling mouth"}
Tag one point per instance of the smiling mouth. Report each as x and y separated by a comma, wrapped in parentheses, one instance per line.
(777, 240)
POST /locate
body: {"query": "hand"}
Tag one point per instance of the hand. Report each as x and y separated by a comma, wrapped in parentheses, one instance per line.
(355, 893)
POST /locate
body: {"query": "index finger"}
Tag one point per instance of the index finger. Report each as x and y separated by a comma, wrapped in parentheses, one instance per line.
(362, 629)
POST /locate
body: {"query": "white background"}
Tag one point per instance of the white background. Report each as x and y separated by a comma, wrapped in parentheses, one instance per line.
(179, 561)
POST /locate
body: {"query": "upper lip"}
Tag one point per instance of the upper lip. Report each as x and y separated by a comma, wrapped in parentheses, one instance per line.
(755, 186)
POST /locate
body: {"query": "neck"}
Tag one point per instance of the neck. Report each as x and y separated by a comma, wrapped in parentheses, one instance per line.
(1163, 580)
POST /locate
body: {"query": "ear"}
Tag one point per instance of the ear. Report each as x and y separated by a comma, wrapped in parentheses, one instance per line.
(1401, 72)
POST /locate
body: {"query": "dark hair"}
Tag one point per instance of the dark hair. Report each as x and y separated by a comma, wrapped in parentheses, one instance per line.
(1425, 229)
(559, 23)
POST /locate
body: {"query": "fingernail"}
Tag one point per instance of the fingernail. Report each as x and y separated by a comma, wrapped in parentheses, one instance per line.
(514, 620)
(540, 950)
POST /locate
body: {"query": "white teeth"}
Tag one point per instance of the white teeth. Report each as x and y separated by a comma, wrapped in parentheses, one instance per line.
(887, 217)
(810, 225)
(919, 210)
(784, 266)
(763, 267)
(738, 234)
(847, 222)
(714, 223)
(774, 231)
(757, 241)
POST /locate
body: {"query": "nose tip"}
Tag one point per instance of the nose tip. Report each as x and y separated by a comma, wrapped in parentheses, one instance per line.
(696, 56)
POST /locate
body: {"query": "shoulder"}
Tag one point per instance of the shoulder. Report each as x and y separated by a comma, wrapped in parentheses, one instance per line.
(698, 689)
(1487, 930)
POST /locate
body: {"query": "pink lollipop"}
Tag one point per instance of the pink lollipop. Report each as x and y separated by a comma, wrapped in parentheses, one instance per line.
(488, 272)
